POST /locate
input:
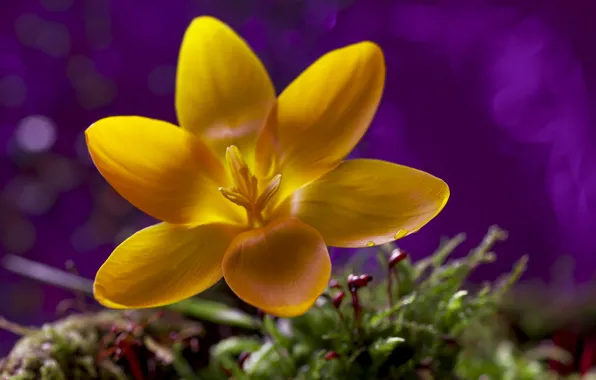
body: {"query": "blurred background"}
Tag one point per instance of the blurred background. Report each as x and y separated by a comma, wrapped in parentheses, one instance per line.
(495, 97)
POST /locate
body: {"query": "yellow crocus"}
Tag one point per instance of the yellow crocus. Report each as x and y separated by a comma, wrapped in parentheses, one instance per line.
(252, 187)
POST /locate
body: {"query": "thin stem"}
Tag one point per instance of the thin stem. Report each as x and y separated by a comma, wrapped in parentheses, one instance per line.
(389, 287)
(356, 306)
(47, 274)
(15, 328)
(397, 283)
(81, 304)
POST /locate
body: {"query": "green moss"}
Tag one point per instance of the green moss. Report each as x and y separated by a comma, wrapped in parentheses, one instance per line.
(434, 328)
(78, 347)
(55, 350)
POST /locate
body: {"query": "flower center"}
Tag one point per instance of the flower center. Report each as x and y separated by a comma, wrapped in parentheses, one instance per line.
(245, 191)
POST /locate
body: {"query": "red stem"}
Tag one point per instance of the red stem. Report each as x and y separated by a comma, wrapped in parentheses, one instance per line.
(135, 366)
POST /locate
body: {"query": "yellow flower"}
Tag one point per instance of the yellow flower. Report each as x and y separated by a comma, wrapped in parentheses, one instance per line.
(251, 187)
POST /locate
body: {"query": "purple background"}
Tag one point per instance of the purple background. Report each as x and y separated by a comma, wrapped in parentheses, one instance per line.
(495, 97)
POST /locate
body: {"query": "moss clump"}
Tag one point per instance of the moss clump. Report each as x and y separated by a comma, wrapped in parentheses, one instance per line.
(105, 345)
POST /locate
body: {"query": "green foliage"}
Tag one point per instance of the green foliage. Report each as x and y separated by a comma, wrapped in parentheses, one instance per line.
(435, 328)
(216, 312)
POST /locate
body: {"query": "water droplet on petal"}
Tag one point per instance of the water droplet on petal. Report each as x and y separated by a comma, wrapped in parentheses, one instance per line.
(400, 234)
(370, 244)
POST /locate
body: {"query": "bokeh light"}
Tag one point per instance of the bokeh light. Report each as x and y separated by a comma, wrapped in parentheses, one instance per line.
(35, 134)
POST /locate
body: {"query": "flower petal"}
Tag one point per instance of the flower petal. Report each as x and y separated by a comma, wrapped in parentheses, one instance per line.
(161, 169)
(323, 114)
(163, 264)
(281, 268)
(368, 202)
(223, 91)
(267, 151)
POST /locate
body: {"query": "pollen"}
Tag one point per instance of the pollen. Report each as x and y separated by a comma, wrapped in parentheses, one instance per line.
(245, 189)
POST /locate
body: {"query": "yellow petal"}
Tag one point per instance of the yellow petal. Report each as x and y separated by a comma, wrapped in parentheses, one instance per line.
(163, 264)
(268, 152)
(368, 202)
(163, 170)
(281, 268)
(223, 91)
(323, 114)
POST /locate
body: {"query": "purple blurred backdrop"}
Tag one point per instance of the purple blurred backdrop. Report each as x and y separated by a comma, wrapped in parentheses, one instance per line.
(495, 97)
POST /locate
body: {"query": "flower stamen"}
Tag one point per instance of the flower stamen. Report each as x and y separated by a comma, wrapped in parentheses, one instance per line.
(245, 190)
(269, 191)
(235, 197)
